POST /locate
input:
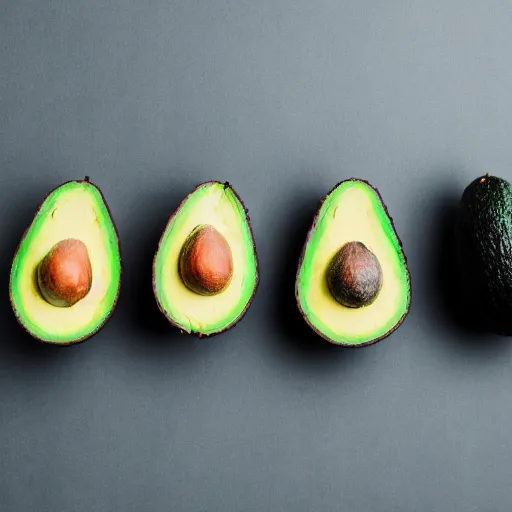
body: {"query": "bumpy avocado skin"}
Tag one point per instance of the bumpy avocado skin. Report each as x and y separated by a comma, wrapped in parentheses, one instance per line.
(156, 282)
(12, 291)
(404, 269)
(484, 250)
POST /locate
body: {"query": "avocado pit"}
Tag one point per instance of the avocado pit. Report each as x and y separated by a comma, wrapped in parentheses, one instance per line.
(354, 276)
(64, 275)
(206, 261)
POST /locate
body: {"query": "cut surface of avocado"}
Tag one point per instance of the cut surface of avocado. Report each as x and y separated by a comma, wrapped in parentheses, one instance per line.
(75, 210)
(353, 211)
(213, 204)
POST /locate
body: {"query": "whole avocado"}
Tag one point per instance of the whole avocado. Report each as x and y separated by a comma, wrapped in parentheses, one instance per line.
(484, 241)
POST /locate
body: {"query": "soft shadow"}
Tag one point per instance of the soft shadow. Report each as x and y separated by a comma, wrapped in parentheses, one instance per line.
(296, 338)
(137, 305)
(455, 305)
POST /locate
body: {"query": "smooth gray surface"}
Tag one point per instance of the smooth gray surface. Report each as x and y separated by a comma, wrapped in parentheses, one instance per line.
(283, 99)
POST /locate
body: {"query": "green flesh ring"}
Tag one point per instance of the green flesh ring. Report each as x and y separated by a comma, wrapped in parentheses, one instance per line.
(353, 211)
(216, 204)
(76, 209)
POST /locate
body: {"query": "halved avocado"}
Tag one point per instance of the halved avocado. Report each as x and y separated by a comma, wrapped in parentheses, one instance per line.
(353, 285)
(205, 271)
(76, 212)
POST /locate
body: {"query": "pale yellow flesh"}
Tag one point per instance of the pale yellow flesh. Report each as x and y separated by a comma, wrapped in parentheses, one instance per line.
(206, 314)
(73, 217)
(353, 218)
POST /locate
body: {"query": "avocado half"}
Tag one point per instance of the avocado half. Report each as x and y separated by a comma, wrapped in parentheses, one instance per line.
(484, 250)
(218, 206)
(353, 215)
(74, 210)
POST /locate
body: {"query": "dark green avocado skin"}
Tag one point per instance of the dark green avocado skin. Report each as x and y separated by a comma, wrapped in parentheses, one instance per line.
(484, 249)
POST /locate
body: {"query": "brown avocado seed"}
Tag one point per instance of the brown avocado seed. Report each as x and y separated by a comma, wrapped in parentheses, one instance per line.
(206, 262)
(354, 276)
(65, 274)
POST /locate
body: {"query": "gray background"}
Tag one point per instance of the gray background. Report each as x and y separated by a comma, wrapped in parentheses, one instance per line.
(284, 99)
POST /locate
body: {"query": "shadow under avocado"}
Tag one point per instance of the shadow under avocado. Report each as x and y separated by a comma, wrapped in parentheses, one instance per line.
(141, 306)
(138, 306)
(143, 309)
(295, 336)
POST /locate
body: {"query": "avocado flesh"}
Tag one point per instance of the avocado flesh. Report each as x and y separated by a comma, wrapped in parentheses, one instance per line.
(74, 210)
(218, 205)
(353, 211)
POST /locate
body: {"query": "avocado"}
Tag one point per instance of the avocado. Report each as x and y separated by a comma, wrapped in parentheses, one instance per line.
(66, 272)
(484, 250)
(353, 285)
(205, 270)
